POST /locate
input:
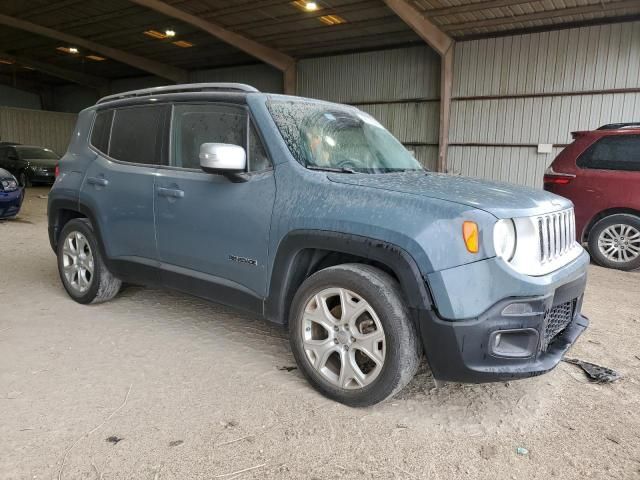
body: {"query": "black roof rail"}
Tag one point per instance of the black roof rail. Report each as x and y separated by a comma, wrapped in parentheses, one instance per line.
(618, 126)
(182, 88)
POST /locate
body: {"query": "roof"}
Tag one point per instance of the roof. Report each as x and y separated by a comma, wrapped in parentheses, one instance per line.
(279, 24)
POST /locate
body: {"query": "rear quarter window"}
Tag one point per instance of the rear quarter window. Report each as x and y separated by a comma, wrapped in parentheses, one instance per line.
(615, 152)
(102, 130)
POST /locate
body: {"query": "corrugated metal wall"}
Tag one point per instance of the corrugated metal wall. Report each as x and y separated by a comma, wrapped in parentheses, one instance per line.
(513, 93)
(399, 87)
(264, 77)
(37, 127)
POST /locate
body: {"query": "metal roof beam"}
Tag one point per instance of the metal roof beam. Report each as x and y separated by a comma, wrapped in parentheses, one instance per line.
(55, 71)
(427, 30)
(175, 74)
(277, 59)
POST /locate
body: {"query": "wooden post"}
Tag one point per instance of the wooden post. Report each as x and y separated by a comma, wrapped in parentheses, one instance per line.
(446, 88)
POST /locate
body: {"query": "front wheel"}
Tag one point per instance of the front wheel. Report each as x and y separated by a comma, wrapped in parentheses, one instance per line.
(23, 180)
(614, 242)
(83, 273)
(352, 336)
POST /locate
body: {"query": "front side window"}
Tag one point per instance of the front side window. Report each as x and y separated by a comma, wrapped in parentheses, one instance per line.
(136, 135)
(194, 125)
(619, 152)
(338, 137)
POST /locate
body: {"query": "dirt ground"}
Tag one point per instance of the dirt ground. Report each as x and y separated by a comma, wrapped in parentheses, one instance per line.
(158, 385)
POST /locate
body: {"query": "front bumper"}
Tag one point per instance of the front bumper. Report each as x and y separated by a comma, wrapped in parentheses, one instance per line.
(10, 203)
(468, 351)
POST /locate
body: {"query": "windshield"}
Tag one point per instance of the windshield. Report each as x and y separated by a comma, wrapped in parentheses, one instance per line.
(35, 153)
(342, 138)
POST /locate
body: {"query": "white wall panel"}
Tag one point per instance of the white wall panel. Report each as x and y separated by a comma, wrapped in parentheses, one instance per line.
(521, 165)
(264, 77)
(37, 127)
(512, 93)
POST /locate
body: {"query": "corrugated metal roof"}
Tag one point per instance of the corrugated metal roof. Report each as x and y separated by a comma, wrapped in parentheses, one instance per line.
(368, 24)
(462, 19)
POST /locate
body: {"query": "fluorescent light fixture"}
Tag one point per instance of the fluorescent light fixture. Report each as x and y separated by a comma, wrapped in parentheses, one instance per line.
(155, 34)
(332, 20)
(69, 50)
(183, 44)
(170, 33)
(306, 6)
(6, 62)
(96, 58)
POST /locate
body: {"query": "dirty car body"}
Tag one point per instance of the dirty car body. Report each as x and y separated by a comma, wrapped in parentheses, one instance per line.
(326, 193)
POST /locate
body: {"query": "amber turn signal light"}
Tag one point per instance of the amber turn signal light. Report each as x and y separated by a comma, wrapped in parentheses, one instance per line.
(471, 237)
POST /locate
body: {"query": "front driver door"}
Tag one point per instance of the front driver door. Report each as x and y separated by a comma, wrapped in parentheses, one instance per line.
(213, 233)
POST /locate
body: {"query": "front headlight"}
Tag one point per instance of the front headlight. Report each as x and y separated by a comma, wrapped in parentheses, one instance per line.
(504, 239)
(9, 184)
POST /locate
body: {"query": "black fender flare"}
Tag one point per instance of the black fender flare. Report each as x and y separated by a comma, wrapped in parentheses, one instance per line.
(291, 261)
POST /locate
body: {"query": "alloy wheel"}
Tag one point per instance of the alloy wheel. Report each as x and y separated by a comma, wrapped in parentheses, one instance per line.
(77, 262)
(343, 338)
(620, 243)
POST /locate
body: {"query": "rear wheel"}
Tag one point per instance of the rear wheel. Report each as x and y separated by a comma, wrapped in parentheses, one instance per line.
(352, 336)
(83, 273)
(614, 242)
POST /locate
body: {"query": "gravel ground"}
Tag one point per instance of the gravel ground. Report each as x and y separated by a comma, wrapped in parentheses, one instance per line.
(158, 385)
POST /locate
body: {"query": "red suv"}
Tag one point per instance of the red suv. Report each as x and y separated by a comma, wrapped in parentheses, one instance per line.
(600, 173)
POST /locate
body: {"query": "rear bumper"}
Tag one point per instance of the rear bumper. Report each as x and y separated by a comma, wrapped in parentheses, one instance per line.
(472, 351)
(10, 203)
(40, 177)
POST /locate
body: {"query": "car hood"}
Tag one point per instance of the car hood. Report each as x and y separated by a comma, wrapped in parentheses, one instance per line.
(42, 162)
(502, 200)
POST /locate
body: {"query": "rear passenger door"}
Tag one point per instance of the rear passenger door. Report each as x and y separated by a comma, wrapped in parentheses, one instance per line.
(213, 233)
(611, 172)
(130, 142)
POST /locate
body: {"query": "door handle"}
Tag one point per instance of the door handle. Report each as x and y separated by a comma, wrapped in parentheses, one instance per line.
(170, 192)
(98, 181)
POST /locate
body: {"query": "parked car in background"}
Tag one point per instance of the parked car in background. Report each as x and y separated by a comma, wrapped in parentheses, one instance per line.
(600, 173)
(369, 259)
(30, 164)
(11, 195)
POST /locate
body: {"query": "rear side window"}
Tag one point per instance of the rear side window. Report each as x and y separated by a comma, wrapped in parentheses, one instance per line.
(136, 135)
(101, 130)
(619, 152)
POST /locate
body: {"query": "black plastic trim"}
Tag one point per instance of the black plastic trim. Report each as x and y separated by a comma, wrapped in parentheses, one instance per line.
(292, 261)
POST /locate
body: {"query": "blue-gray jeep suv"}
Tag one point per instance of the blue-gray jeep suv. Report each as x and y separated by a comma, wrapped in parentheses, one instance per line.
(314, 216)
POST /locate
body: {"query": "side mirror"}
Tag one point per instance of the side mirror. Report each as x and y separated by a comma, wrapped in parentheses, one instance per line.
(222, 158)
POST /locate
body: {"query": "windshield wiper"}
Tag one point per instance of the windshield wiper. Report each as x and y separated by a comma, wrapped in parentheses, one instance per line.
(330, 169)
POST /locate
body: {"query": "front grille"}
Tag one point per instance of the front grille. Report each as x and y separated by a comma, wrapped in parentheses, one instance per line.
(557, 234)
(556, 320)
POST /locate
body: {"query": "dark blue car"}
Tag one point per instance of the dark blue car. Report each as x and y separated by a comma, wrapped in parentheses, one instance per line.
(11, 195)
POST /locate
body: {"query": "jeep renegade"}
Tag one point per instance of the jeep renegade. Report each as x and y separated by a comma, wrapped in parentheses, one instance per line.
(312, 215)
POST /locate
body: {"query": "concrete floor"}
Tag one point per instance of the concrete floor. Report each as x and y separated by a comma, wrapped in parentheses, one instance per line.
(158, 385)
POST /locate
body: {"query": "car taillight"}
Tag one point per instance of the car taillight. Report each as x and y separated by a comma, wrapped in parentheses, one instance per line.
(57, 172)
(557, 178)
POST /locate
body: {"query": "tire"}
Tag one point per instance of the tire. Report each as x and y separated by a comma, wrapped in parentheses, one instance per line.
(23, 180)
(614, 242)
(91, 281)
(383, 328)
